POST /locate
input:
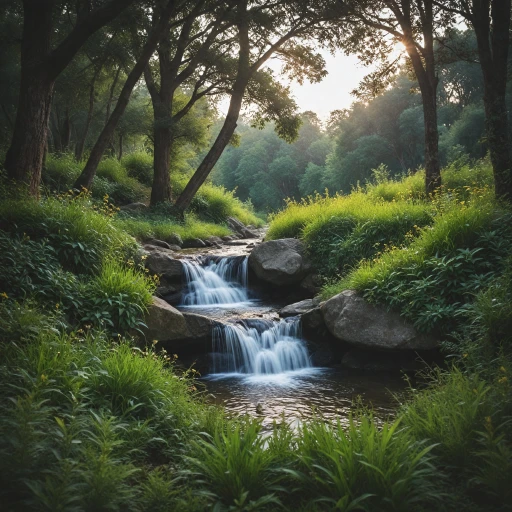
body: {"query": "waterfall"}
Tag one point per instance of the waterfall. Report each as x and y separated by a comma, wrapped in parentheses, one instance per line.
(216, 281)
(259, 347)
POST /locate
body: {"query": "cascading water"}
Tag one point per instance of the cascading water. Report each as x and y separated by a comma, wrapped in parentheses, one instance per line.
(257, 347)
(217, 281)
(260, 347)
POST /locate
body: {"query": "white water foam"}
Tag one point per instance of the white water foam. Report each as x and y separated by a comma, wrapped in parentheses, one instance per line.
(260, 347)
(220, 282)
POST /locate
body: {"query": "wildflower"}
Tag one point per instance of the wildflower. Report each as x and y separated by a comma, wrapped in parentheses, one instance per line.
(503, 369)
(503, 380)
(464, 355)
(44, 378)
(4, 295)
(57, 306)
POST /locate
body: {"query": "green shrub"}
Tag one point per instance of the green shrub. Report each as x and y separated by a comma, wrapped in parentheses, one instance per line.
(139, 165)
(80, 237)
(116, 298)
(61, 171)
(434, 278)
(360, 466)
(236, 468)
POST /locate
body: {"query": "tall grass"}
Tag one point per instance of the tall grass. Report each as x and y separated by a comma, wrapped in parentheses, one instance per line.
(144, 227)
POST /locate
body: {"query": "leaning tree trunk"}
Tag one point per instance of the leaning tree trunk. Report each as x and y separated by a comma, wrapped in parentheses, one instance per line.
(86, 178)
(229, 126)
(24, 158)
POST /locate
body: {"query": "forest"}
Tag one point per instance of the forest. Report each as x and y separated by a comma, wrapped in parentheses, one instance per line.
(212, 298)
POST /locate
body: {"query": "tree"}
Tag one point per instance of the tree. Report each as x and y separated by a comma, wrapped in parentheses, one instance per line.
(490, 20)
(40, 66)
(180, 54)
(161, 25)
(413, 23)
(273, 27)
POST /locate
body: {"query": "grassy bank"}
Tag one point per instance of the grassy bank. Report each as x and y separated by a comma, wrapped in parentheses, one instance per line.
(129, 181)
(93, 418)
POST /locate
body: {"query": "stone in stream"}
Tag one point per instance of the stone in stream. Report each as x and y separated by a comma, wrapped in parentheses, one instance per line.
(193, 243)
(158, 243)
(215, 240)
(164, 322)
(162, 263)
(149, 248)
(350, 318)
(299, 308)
(175, 239)
(280, 262)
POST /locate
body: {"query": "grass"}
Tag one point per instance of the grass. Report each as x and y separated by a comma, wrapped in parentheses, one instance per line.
(144, 227)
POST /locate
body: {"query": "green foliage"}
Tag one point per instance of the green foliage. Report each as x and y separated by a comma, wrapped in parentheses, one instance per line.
(80, 237)
(139, 165)
(81, 422)
(236, 467)
(360, 466)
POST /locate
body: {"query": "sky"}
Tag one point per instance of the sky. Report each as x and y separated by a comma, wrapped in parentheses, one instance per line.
(333, 92)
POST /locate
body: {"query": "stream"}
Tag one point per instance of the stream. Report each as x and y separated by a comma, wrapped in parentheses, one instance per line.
(260, 364)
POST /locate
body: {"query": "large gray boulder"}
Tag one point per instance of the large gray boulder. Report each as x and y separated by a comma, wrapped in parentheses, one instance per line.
(350, 318)
(164, 322)
(161, 263)
(280, 262)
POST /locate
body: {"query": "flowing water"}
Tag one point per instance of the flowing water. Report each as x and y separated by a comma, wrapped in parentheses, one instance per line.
(261, 366)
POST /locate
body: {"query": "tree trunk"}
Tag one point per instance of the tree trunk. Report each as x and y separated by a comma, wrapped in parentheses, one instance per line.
(229, 126)
(40, 67)
(493, 47)
(79, 151)
(24, 158)
(161, 189)
(432, 166)
(86, 178)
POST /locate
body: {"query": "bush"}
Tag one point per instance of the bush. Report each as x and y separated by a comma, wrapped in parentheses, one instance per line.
(139, 165)
(80, 237)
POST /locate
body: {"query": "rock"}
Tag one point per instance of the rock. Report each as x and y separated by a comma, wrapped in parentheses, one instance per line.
(199, 326)
(163, 264)
(134, 207)
(155, 248)
(158, 243)
(174, 247)
(235, 242)
(175, 239)
(280, 262)
(164, 322)
(298, 308)
(247, 233)
(311, 284)
(250, 226)
(313, 319)
(215, 240)
(167, 288)
(235, 225)
(193, 243)
(350, 318)
(227, 238)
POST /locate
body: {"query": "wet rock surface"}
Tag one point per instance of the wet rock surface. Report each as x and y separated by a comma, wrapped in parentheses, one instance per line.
(351, 319)
(280, 262)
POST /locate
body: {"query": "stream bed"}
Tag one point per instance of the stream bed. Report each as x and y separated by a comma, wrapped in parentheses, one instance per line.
(260, 363)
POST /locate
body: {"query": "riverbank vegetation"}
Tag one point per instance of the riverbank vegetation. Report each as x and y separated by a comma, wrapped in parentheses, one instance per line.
(112, 133)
